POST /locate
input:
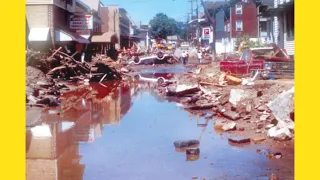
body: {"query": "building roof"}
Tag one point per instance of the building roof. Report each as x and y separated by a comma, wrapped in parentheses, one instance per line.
(83, 5)
(93, 4)
(213, 4)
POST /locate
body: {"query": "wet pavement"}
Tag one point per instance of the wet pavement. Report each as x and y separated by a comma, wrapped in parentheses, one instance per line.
(120, 131)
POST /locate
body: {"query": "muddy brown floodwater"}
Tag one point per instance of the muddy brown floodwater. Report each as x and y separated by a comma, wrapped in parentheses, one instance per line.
(125, 131)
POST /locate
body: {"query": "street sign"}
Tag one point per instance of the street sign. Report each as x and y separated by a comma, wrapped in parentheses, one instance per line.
(83, 22)
(206, 33)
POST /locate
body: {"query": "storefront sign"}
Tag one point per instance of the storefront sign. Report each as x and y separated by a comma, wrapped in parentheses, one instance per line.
(81, 22)
(206, 33)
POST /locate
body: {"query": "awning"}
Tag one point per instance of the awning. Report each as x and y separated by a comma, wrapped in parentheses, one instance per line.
(65, 36)
(38, 34)
(107, 37)
(134, 37)
(269, 12)
(85, 36)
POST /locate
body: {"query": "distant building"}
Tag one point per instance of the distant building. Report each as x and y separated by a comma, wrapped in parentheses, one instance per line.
(116, 24)
(144, 35)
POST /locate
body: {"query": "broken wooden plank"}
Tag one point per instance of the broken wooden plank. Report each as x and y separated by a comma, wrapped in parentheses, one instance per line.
(103, 77)
(55, 52)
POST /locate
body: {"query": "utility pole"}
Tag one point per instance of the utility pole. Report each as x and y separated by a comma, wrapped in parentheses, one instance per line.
(198, 32)
(213, 23)
(188, 28)
(191, 16)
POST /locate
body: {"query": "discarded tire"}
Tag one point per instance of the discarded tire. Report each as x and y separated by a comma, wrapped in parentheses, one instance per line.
(137, 77)
(136, 59)
(160, 55)
(161, 80)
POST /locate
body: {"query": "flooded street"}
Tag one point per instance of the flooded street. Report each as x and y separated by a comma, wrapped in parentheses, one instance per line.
(124, 130)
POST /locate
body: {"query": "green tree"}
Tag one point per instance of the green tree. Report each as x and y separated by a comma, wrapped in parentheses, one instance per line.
(182, 30)
(163, 26)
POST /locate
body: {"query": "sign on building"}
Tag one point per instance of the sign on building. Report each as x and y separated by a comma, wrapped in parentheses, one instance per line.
(81, 22)
(206, 33)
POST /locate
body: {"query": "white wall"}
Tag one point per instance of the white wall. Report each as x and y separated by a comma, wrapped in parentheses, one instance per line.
(223, 47)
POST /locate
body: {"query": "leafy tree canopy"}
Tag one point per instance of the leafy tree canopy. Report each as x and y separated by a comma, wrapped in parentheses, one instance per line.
(163, 26)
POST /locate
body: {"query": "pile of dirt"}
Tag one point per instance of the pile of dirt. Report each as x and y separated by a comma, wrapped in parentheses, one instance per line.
(34, 75)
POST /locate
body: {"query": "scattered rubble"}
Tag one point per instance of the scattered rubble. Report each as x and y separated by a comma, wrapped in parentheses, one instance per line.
(236, 95)
(281, 134)
(192, 151)
(229, 126)
(283, 105)
(258, 139)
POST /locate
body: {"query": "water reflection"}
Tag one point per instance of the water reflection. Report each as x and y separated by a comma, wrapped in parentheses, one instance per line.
(121, 131)
(53, 146)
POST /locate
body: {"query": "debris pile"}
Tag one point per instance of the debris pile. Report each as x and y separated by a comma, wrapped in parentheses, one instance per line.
(260, 104)
(48, 74)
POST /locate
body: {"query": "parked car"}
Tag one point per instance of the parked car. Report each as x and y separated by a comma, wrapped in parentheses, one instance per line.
(154, 77)
(185, 47)
(270, 62)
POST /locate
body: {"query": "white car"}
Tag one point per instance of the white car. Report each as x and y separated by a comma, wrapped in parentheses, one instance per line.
(160, 57)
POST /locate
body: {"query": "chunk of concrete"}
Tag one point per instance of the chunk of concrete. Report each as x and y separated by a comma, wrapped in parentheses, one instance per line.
(231, 115)
(286, 124)
(264, 117)
(238, 94)
(218, 124)
(258, 139)
(283, 105)
(239, 139)
(185, 143)
(247, 117)
(224, 99)
(192, 151)
(269, 126)
(282, 134)
(229, 126)
(248, 108)
(262, 108)
(186, 89)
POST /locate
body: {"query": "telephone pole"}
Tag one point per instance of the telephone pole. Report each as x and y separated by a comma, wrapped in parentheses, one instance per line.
(191, 16)
(212, 20)
(188, 32)
(197, 31)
